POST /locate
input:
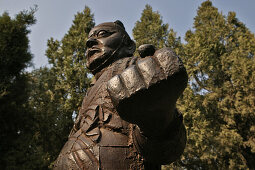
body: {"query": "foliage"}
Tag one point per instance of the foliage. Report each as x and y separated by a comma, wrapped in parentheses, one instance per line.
(37, 109)
(58, 91)
(219, 104)
(67, 58)
(15, 117)
(50, 123)
(150, 29)
(175, 43)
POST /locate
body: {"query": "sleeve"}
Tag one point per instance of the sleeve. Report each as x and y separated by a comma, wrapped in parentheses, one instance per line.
(165, 148)
(145, 94)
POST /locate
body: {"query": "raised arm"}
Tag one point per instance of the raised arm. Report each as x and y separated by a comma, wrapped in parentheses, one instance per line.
(145, 94)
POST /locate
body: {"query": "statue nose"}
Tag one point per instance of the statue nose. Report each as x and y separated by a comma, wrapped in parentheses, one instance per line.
(90, 42)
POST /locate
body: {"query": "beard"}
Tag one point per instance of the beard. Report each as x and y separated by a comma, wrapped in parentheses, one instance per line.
(98, 60)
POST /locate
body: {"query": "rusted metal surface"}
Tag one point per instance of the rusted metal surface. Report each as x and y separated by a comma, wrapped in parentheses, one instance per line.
(128, 119)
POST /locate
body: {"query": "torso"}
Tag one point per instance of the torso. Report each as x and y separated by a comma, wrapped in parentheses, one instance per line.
(100, 139)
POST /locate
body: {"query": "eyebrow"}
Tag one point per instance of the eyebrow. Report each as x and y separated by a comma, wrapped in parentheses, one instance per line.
(100, 29)
(93, 33)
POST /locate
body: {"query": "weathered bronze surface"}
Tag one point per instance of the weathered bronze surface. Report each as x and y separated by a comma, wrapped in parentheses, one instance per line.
(128, 119)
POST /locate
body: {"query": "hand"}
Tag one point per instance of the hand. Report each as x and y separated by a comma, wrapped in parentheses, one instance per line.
(147, 92)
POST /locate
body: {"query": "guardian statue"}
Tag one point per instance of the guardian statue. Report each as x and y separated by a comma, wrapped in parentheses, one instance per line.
(128, 118)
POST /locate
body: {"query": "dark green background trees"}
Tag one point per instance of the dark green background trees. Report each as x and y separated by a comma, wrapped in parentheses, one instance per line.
(150, 29)
(219, 57)
(15, 122)
(67, 58)
(218, 105)
(37, 109)
(59, 90)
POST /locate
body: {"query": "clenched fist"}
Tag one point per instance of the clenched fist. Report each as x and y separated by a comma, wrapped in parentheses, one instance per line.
(146, 93)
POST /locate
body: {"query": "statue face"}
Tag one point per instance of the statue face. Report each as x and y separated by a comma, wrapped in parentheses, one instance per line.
(104, 40)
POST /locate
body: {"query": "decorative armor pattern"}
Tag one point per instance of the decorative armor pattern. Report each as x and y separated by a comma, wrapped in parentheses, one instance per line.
(101, 138)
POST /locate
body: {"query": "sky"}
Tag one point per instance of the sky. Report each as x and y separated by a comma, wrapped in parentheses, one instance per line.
(54, 17)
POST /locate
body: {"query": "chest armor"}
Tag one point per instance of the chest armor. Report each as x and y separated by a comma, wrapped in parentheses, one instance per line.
(100, 139)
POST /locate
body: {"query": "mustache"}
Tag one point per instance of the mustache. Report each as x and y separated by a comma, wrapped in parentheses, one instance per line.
(97, 62)
(91, 51)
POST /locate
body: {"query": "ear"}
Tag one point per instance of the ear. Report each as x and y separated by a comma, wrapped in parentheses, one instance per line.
(118, 22)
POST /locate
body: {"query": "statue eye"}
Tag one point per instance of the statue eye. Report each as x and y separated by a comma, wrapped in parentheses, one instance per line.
(102, 33)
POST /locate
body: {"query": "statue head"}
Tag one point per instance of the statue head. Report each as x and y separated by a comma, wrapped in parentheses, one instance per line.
(107, 42)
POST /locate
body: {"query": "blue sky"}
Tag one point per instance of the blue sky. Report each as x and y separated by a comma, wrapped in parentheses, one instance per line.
(54, 17)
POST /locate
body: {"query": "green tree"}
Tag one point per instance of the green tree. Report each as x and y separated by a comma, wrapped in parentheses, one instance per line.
(150, 29)
(58, 91)
(219, 104)
(15, 117)
(174, 42)
(50, 128)
(67, 58)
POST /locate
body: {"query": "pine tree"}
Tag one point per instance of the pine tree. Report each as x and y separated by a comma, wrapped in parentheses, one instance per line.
(219, 104)
(51, 125)
(68, 60)
(174, 42)
(59, 90)
(15, 117)
(150, 29)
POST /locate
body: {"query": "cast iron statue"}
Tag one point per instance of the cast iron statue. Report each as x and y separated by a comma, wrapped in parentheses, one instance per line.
(128, 119)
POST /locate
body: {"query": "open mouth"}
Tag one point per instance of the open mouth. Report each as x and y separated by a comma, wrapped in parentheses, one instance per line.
(92, 51)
